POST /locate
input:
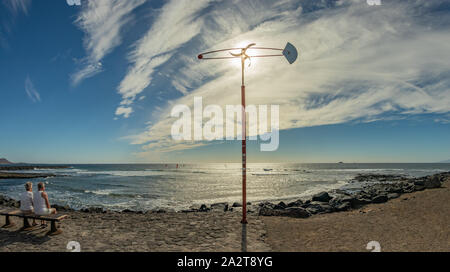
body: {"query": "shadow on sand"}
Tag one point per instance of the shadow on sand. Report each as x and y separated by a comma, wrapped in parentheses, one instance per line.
(34, 237)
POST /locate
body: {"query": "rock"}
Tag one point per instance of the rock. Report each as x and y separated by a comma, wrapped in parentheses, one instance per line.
(280, 206)
(393, 195)
(433, 182)
(62, 208)
(203, 208)
(297, 203)
(297, 212)
(95, 210)
(380, 199)
(341, 202)
(377, 178)
(194, 207)
(267, 205)
(408, 187)
(322, 197)
(220, 207)
(340, 199)
(236, 204)
(316, 207)
(343, 207)
(419, 187)
(358, 202)
(289, 212)
(266, 211)
(252, 209)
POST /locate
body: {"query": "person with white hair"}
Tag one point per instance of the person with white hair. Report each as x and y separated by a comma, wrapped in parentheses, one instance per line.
(26, 200)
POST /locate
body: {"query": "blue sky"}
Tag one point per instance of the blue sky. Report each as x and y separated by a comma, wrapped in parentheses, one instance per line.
(96, 83)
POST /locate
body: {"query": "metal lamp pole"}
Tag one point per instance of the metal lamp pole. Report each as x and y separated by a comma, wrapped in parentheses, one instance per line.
(290, 52)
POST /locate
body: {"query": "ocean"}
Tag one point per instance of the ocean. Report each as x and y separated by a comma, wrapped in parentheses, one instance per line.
(153, 186)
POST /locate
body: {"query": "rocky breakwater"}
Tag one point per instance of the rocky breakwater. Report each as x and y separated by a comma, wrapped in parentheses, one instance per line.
(381, 188)
(6, 174)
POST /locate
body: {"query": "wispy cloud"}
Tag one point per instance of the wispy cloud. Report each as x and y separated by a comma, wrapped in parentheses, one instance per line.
(102, 21)
(357, 62)
(31, 91)
(15, 8)
(176, 24)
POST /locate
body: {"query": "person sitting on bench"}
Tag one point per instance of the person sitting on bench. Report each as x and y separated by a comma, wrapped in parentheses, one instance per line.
(26, 201)
(41, 202)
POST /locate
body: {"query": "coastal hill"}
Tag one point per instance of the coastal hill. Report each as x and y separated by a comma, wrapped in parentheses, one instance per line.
(5, 161)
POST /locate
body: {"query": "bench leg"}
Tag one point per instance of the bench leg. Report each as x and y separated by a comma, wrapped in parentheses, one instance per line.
(26, 225)
(54, 230)
(8, 223)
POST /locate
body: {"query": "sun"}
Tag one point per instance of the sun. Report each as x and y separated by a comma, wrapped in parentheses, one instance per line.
(236, 62)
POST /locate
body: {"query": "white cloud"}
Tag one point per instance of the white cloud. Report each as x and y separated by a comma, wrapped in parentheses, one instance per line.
(357, 62)
(175, 25)
(125, 111)
(31, 91)
(102, 21)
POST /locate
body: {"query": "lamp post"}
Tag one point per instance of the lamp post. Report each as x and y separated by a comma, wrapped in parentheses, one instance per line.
(290, 52)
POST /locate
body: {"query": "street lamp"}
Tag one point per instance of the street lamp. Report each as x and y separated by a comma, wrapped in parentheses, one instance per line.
(290, 53)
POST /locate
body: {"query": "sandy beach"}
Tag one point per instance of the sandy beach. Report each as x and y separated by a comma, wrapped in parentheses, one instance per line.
(417, 221)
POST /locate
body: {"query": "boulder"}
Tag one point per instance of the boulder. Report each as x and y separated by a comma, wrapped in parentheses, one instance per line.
(220, 207)
(345, 206)
(289, 212)
(297, 212)
(236, 204)
(316, 207)
(203, 208)
(380, 199)
(267, 204)
(297, 203)
(432, 182)
(393, 195)
(280, 206)
(322, 197)
(358, 202)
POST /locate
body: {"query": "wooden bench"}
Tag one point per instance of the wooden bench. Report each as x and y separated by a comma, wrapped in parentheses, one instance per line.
(52, 218)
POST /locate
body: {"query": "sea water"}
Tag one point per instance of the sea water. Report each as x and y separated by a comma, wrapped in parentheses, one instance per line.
(179, 186)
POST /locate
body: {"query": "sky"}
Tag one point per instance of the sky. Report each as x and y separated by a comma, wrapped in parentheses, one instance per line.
(96, 82)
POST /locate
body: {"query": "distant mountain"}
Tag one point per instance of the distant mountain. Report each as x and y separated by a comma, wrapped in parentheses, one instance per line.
(5, 161)
(447, 161)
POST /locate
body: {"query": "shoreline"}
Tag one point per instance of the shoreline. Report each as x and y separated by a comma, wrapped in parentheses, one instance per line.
(378, 188)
